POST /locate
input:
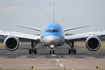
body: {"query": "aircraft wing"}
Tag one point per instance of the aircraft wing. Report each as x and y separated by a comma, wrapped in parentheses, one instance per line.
(19, 35)
(85, 35)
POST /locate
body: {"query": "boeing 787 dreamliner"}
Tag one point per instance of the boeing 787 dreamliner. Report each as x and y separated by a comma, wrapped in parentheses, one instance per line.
(52, 35)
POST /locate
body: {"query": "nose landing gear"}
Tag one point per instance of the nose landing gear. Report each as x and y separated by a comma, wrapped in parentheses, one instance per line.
(52, 51)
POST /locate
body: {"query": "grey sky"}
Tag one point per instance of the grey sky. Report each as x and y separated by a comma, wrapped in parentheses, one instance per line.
(68, 13)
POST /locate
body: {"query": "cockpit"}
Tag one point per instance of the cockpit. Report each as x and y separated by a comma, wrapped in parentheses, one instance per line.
(52, 31)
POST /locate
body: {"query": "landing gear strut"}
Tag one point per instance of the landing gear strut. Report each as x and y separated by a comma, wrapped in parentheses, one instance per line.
(52, 49)
(72, 50)
(32, 50)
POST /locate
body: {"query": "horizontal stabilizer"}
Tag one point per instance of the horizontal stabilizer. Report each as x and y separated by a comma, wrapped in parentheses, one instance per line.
(75, 28)
(38, 29)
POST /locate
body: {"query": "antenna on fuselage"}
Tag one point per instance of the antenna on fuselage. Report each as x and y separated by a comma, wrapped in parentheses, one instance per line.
(52, 10)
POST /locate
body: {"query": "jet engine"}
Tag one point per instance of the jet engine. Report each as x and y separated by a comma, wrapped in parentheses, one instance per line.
(93, 43)
(11, 43)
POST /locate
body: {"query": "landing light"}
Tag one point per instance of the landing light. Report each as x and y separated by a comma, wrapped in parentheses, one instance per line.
(51, 46)
(38, 38)
(66, 38)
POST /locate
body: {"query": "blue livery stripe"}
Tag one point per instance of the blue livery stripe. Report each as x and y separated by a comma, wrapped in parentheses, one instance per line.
(48, 30)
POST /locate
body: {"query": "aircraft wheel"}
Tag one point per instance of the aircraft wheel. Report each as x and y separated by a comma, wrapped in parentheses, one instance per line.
(74, 51)
(35, 51)
(53, 52)
(50, 51)
(69, 51)
(30, 51)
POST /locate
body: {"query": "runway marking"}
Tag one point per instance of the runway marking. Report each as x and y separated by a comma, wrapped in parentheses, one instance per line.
(61, 65)
(54, 55)
(59, 57)
(57, 60)
(22, 57)
(52, 61)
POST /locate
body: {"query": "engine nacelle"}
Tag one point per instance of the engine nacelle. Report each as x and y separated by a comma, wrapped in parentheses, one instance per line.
(11, 43)
(93, 43)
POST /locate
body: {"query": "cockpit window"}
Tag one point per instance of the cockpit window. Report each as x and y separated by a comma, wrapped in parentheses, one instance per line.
(52, 30)
(46, 30)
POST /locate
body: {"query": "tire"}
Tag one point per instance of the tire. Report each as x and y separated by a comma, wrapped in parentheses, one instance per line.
(69, 51)
(50, 51)
(35, 51)
(53, 52)
(30, 51)
(74, 51)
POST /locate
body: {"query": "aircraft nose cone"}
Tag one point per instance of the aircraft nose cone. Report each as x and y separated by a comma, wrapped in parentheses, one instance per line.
(52, 40)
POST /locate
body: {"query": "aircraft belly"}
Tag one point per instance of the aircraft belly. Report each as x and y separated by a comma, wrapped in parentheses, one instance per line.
(52, 40)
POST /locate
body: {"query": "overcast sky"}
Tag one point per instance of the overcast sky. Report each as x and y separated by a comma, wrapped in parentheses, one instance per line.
(68, 13)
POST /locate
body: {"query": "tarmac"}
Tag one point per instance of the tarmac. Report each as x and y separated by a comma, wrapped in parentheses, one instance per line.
(20, 59)
(46, 63)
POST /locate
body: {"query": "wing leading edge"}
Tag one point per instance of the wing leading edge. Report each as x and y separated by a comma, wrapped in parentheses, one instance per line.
(18, 35)
(85, 35)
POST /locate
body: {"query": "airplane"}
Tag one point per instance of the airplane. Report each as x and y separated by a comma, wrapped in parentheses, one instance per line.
(52, 36)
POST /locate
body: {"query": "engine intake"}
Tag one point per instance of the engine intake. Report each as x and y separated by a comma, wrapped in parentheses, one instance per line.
(93, 43)
(11, 43)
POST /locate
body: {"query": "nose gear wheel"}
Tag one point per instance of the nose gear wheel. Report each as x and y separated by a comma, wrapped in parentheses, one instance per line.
(52, 51)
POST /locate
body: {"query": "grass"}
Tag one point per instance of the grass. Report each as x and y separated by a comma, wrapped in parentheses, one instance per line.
(2, 46)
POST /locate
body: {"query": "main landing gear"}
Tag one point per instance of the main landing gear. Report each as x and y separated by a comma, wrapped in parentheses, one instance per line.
(72, 50)
(32, 50)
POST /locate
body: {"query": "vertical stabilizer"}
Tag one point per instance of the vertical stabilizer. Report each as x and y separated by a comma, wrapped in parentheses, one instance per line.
(52, 10)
